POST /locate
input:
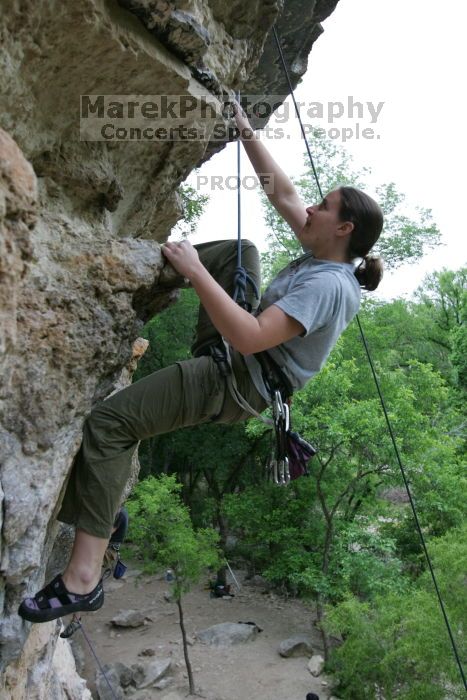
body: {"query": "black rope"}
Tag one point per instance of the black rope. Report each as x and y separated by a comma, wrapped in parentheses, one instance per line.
(388, 422)
(412, 503)
(112, 692)
(239, 205)
(241, 278)
(297, 111)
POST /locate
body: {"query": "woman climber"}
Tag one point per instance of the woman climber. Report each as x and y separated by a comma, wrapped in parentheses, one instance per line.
(298, 321)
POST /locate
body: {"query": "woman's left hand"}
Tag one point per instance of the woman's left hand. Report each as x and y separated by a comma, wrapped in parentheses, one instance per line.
(182, 256)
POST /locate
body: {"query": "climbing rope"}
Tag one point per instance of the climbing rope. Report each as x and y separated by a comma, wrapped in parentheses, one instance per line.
(79, 625)
(241, 278)
(375, 377)
(76, 624)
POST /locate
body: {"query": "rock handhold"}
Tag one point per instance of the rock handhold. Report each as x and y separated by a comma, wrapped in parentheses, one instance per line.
(227, 633)
(316, 664)
(299, 645)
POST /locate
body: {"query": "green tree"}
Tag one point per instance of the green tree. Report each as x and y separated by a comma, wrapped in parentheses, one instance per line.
(398, 647)
(192, 205)
(442, 301)
(163, 537)
(170, 335)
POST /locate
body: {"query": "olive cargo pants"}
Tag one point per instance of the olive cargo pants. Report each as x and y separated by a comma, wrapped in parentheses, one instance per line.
(185, 394)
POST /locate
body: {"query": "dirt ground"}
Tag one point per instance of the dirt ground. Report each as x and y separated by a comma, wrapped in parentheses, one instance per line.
(240, 672)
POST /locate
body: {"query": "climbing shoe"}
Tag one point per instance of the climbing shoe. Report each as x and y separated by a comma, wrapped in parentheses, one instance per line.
(121, 528)
(54, 600)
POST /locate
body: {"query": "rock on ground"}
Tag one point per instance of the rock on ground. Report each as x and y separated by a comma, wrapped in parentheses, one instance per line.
(227, 633)
(112, 678)
(316, 665)
(146, 675)
(299, 645)
(129, 618)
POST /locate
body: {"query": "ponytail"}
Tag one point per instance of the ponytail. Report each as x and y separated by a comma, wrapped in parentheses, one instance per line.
(367, 218)
(370, 272)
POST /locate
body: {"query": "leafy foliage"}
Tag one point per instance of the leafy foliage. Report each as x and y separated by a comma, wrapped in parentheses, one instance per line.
(163, 535)
(192, 204)
(443, 307)
(397, 647)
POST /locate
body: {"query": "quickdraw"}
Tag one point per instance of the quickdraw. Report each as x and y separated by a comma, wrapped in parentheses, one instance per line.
(278, 466)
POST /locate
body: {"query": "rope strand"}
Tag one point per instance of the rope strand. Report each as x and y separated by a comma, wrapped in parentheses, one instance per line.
(112, 692)
(412, 503)
(297, 111)
(241, 278)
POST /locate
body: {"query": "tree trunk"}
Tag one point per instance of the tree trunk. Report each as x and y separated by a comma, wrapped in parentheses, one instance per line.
(319, 620)
(191, 681)
(324, 567)
(222, 572)
(320, 602)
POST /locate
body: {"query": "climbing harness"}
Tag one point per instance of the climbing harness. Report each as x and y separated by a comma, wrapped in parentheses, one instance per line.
(378, 388)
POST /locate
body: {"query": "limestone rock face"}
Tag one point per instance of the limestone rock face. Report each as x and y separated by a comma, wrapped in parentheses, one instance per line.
(53, 674)
(81, 223)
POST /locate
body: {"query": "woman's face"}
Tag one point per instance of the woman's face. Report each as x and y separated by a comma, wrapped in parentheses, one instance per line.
(322, 224)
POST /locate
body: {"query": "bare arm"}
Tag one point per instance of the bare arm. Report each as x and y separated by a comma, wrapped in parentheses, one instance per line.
(283, 197)
(246, 333)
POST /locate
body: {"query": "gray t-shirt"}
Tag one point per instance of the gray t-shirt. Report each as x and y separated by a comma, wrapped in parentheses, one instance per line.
(323, 296)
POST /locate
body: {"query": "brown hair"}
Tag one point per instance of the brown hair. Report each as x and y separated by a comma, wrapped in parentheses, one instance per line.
(367, 218)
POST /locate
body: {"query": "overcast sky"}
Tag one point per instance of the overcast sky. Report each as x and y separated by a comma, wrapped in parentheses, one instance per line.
(412, 57)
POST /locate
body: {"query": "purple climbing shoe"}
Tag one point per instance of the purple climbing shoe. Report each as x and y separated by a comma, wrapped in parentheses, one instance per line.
(54, 600)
